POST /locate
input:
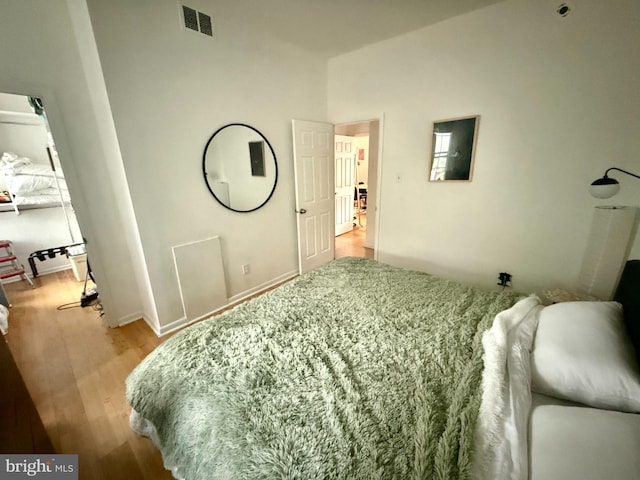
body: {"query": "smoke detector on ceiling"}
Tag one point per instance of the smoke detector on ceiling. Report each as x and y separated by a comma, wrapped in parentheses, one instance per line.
(563, 10)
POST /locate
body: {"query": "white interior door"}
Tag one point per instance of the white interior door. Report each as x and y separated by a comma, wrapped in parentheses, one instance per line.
(345, 179)
(314, 167)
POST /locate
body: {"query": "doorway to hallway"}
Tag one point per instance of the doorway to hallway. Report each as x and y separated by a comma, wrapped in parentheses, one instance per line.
(352, 244)
(365, 139)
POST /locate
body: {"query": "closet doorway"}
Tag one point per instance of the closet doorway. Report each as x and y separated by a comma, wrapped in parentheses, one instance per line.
(358, 241)
(35, 207)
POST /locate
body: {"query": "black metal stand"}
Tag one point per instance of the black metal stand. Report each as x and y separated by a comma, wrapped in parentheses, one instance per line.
(47, 253)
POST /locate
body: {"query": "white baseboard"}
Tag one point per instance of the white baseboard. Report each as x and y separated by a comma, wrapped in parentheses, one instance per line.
(134, 317)
(173, 326)
(183, 322)
(261, 288)
(41, 272)
(47, 271)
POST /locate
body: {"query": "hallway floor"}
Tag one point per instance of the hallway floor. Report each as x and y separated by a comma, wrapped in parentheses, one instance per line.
(351, 244)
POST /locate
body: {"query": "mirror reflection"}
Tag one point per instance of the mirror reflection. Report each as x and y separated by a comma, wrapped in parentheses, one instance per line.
(453, 149)
(239, 167)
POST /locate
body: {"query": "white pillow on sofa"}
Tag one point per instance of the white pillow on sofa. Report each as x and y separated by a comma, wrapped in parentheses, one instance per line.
(582, 353)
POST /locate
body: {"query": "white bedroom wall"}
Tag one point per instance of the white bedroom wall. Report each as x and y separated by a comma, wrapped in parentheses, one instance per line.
(40, 57)
(169, 90)
(558, 100)
(25, 140)
(37, 229)
(15, 103)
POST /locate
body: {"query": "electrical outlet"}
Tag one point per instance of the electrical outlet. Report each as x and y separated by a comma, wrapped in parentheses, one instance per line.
(245, 269)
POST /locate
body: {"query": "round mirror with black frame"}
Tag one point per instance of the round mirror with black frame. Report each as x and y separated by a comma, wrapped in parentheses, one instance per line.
(239, 167)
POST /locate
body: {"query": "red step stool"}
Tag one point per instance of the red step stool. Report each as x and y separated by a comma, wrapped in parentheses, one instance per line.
(9, 266)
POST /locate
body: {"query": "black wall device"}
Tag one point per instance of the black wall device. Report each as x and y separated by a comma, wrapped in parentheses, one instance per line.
(505, 279)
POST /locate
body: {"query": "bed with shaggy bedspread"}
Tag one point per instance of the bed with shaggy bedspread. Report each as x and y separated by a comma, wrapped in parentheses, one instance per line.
(357, 370)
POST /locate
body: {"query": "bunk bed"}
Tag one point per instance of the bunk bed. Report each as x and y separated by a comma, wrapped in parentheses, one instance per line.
(31, 185)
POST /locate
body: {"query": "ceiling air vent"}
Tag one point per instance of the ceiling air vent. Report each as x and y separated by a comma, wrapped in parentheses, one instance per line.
(198, 21)
(205, 24)
(190, 18)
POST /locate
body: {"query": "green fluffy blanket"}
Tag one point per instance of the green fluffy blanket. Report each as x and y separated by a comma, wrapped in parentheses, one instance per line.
(357, 370)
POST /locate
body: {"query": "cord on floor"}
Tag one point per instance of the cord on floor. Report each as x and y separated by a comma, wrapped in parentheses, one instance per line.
(96, 305)
(67, 306)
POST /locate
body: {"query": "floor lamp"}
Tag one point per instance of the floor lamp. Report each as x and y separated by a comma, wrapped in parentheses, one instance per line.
(609, 240)
(607, 187)
(607, 251)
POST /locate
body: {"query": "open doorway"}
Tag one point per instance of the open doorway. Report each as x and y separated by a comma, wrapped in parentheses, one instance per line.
(316, 194)
(359, 239)
(37, 216)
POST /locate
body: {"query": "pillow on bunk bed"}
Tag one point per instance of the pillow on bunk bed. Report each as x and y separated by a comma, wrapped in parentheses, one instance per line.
(582, 353)
(10, 163)
(30, 184)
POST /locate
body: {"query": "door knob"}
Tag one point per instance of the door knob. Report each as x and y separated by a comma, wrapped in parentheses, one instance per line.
(302, 211)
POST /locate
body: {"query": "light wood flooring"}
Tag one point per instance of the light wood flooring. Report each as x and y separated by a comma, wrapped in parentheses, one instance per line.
(74, 367)
(351, 244)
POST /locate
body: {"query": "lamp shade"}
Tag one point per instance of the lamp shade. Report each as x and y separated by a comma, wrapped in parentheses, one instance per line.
(604, 187)
(607, 250)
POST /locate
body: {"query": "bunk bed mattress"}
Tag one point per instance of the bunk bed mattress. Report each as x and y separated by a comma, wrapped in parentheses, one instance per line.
(32, 185)
(354, 370)
(24, 185)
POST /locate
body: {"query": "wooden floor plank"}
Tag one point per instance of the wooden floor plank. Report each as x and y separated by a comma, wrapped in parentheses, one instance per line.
(74, 367)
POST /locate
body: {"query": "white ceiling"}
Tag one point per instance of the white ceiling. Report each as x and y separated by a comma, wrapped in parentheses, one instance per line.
(333, 27)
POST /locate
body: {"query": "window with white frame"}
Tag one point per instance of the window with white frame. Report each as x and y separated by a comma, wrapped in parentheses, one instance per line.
(440, 154)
